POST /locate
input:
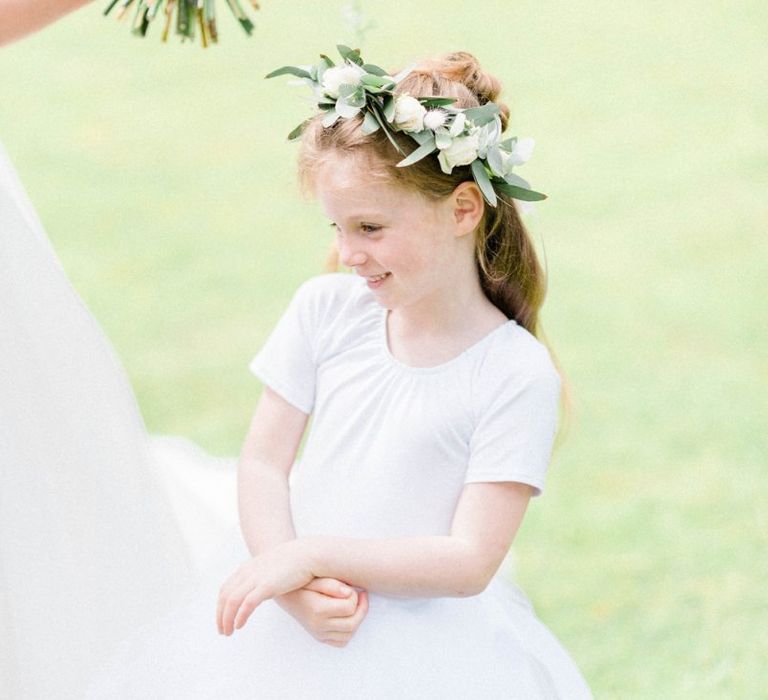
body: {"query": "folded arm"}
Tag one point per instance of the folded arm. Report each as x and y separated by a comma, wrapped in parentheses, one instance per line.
(460, 564)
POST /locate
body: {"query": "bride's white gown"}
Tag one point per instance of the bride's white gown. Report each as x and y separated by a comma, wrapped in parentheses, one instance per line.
(113, 545)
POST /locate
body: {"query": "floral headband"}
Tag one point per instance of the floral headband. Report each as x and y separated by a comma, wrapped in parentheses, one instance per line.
(460, 136)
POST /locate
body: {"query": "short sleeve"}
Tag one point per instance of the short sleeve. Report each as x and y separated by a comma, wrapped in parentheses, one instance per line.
(286, 362)
(516, 419)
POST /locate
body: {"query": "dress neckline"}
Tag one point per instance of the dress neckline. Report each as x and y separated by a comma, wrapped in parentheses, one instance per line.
(384, 344)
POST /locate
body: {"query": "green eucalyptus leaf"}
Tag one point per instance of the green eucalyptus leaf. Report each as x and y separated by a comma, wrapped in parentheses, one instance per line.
(422, 136)
(370, 124)
(417, 154)
(495, 161)
(389, 109)
(516, 192)
(375, 80)
(512, 179)
(351, 55)
(289, 70)
(443, 139)
(482, 115)
(297, 131)
(483, 181)
(352, 95)
(328, 62)
(509, 144)
(436, 101)
(384, 127)
(330, 118)
(370, 68)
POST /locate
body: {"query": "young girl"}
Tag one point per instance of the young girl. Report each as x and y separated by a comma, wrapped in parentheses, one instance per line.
(372, 565)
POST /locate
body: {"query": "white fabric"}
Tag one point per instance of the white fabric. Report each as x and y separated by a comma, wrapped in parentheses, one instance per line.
(386, 456)
(89, 545)
(487, 415)
(102, 587)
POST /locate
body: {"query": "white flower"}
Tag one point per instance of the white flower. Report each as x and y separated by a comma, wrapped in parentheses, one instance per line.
(435, 118)
(522, 151)
(489, 135)
(462, 151)
(335, 77)
(409, 113)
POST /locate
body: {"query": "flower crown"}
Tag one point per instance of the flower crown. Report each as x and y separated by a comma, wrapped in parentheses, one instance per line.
(460, 136)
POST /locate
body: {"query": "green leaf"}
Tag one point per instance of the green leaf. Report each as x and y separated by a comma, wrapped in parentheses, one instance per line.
(353, 95)
(519, 192)
(368, 68)
(493, 158)
(330, 118)
(483, 181)
(443, 139)
(436, 101)
(482, 115)
(375, 80)
(417, 154)
(421, 137)
(352, 55)
(383, 125)
(512, 179)
(370, 124)
(289, 70)
(328, 61)
(509, 144)
(389, 109)
(297, 131)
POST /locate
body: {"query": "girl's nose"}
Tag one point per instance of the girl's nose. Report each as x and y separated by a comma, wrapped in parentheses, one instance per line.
(350, 256)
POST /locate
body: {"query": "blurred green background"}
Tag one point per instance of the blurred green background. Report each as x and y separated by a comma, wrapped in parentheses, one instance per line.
(165, 182)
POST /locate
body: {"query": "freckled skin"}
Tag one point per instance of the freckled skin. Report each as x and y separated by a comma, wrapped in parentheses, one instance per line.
(416, 240)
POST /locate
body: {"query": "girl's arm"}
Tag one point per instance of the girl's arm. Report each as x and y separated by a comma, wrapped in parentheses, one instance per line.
(460, 564)
(20, 17)
(265, 461)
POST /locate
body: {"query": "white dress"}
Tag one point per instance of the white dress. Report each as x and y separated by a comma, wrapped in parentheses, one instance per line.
(389, 450)
(125, 594)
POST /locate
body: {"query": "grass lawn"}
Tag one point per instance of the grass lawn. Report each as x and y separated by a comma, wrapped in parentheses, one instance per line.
(164, 180)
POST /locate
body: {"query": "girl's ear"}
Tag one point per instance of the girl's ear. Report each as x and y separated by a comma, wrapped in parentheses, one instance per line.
(468, 207)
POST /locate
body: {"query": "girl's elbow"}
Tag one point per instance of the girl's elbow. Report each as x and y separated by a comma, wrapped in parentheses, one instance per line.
(472, 585)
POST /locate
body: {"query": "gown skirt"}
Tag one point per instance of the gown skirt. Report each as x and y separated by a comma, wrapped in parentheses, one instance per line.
(114, 545)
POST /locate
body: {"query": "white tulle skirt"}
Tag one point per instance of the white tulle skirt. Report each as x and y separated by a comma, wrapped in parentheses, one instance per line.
(113, 545)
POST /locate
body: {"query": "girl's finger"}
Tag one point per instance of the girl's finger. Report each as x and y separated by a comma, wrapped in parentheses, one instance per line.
(329, 586)
(231, 607)
(351, 622)
(224, 594)
(249, 604)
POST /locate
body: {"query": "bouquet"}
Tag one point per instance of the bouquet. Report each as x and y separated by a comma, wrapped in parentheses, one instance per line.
(188, 16)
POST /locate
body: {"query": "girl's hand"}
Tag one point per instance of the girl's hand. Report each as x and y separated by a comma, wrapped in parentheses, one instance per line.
(279, 570)
(328, 614)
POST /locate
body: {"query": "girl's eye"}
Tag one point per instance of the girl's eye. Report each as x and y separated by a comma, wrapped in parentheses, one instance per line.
(365, 228)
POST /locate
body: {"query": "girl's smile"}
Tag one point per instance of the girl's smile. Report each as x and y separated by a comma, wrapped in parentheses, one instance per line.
(383, 229)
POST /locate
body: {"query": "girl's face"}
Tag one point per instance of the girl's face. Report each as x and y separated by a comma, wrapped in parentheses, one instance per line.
(382, 229)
